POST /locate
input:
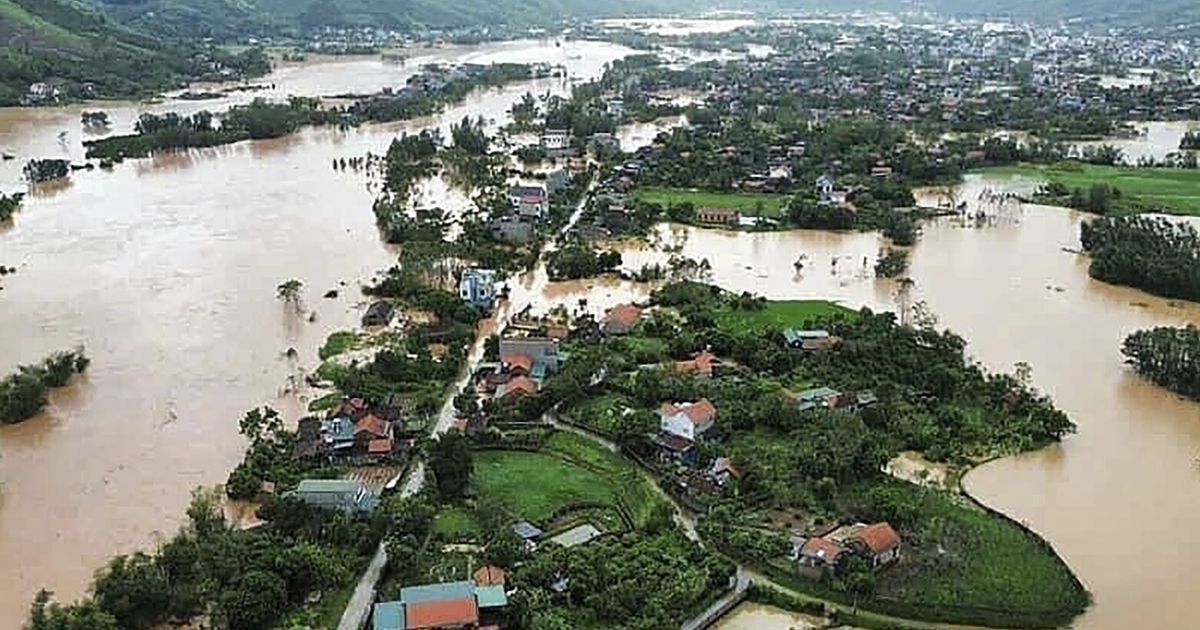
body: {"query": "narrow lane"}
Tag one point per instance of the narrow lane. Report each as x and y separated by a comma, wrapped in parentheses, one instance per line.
(359, 607)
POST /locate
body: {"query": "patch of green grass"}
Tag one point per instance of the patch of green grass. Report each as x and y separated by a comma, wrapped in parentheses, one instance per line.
(1170, 190)
(960, 565)
(747, 203)
(635, 494)
(960, 556)
(455, 524)
(337, 343)
(780, 315)
(534, 485)
(325, 403)
(600, 413)
(646, 349)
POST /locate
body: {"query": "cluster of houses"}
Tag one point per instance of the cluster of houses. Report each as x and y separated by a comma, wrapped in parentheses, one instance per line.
(479, 603)
(529, 206)
(819, 557)
(354, 431)
(525, 364)
(432, 80)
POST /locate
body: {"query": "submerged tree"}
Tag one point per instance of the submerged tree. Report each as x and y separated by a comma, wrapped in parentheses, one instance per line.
(24, 393)
(1155, 254)
(289, 292)
(1169, 357)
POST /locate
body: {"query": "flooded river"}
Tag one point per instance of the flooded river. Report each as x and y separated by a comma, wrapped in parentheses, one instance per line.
(166, 269)
(752, 616)
(1153, 140)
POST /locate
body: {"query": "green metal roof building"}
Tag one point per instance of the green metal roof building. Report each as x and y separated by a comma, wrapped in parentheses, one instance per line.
(346, 495)
(388, 616)
(437, 592)
(491, 596)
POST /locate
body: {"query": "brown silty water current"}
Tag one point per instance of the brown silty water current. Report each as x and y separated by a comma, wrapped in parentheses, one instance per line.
(166, 269)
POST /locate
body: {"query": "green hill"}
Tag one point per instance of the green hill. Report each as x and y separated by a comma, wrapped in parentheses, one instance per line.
(81, 52)
(233, 18)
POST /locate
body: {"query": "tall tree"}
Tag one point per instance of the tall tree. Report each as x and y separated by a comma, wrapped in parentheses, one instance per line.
(451, 462)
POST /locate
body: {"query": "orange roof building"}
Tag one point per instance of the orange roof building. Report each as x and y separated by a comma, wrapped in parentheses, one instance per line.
(878, 538)
(687, 420)
(518, 386)
(701, 365)
(489, 576)
(373, 426)
(620, 319)
(453, 613)
(517, 363)
(379, 447)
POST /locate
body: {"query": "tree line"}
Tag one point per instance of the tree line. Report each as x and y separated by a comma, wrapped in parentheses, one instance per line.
(1169, 357)
(1153, 254)
(258, 120)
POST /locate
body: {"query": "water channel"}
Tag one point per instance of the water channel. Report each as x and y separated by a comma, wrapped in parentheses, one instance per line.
(166, 269)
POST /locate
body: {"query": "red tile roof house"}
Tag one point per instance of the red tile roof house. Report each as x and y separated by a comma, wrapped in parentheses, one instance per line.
(517, 364)
(620, 320)
(702, 365)
(370, 432)
(878, 542)
(817, 558)
(687, 420)
(517, 387)
(489, 576)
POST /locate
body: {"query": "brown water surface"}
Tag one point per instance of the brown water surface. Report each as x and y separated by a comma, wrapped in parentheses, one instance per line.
(166, 269)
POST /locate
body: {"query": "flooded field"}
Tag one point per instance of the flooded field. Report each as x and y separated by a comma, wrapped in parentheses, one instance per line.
(751, 616)
(1154, 140)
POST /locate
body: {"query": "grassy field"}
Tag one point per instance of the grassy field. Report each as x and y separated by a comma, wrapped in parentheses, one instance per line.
(746, 203)
(534, 485)
(455, 523)
(634, 492)
(337, 343)
(960, 565)
(978, 560)
(1175, 191)
(779, 314)
(600, 413)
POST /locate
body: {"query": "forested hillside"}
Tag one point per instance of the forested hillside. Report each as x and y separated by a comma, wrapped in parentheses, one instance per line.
(230, 18)
(79, 52)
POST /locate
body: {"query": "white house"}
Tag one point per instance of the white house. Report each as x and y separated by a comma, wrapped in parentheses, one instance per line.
(478, 287)
(556, 139)
(687, 420)
(530, 201)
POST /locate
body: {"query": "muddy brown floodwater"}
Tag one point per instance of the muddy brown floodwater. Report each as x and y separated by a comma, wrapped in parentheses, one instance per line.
(166, 269)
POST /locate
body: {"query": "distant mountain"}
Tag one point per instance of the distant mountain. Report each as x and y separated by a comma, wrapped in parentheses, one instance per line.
(1113, 12)
(231, 18)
